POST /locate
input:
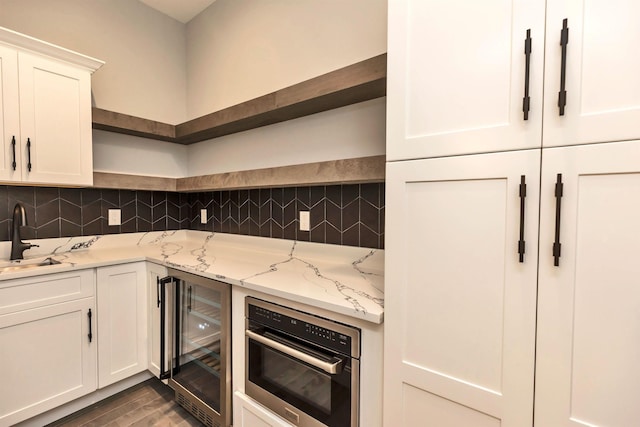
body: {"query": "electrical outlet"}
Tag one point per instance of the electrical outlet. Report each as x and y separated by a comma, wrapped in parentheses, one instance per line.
(114, 217)
(304, 221)
(203, 216)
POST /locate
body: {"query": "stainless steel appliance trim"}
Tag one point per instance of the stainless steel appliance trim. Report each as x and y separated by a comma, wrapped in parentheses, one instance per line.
(350, 331)
(206, 414)
(280, 407)
(330, 368)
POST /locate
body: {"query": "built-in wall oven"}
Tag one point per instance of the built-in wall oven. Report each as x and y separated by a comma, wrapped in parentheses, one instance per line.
(198, 325)
(302, 367)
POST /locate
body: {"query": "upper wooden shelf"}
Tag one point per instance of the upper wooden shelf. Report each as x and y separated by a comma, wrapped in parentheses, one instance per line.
(355, 83)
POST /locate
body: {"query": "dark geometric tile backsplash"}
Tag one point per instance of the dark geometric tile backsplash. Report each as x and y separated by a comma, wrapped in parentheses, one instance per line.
(351, 215)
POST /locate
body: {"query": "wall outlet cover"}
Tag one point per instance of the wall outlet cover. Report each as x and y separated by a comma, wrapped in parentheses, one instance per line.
(203, 216)
(114, 217)
(305, 223)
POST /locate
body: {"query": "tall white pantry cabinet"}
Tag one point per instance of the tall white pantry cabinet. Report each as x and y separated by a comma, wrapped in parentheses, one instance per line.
(513, 198)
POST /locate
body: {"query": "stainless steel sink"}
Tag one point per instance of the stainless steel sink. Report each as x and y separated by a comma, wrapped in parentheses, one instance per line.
(24, 264)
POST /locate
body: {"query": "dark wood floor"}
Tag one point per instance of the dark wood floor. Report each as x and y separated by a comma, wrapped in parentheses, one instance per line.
(150, 403)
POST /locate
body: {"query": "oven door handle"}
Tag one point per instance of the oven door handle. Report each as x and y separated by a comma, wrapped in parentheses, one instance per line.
(330, 368)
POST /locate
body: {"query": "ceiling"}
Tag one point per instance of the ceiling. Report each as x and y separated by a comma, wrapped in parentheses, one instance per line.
(182, 10)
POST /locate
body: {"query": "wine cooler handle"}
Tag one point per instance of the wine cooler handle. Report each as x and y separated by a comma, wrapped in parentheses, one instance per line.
(164, 373)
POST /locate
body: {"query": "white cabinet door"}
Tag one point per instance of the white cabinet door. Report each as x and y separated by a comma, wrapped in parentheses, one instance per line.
(122, 321)
(456, 77)
(47, 358)
(249, 413)
(460, 308)
(587, 371)
(602, 84)
(55, 119)
(9, 116)
(154, 273)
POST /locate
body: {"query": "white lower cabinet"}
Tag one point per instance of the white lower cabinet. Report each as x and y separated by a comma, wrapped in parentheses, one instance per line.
(154, 274)
(122, 321)
(48, 343)
(249, 413)
(470, 329)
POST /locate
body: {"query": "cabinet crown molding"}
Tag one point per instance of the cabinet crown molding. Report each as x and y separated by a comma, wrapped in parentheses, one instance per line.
(25, 42)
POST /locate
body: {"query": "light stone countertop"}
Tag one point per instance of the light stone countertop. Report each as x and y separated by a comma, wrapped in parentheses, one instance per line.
(342, 279)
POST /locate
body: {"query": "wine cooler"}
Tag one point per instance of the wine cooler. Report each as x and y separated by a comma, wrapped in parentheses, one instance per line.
(198, 323)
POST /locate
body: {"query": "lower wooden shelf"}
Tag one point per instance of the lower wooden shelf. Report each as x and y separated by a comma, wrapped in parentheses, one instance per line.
(345, 171)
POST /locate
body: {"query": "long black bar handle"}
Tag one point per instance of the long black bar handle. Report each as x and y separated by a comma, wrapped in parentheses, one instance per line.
(29, 154)
(556, 244)
(189, 305)
(526, 101)
(90, 335)
(164, 374)
(13, 146)
(177, 335)
(523, 195)
(564, 41)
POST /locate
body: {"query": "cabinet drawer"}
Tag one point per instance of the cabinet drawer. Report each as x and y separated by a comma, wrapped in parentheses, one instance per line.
(38, 291)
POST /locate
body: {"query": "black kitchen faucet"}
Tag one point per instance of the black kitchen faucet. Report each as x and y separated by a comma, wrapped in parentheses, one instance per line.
(17, 245)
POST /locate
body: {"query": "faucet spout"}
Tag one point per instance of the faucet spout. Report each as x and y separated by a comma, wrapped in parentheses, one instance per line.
(19, 220)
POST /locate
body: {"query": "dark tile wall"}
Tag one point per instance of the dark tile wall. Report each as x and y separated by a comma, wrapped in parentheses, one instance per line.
(350, 215)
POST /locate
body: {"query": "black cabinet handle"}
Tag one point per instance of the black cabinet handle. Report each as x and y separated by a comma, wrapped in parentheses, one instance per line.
(190, 297)
(13, 146)
(29, 154)
(158, 290)
(90, 334)
(564, 41)
(556, 243)
(523, 195)
(526, 101)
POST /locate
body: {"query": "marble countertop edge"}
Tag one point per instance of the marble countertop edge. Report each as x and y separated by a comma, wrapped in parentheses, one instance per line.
(342, 279)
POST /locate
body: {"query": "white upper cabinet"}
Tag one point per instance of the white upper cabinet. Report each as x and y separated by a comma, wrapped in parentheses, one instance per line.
(456, 77)
(45, 108)
(55, 122)
(9, 116)
(602, 80)
(457, 72)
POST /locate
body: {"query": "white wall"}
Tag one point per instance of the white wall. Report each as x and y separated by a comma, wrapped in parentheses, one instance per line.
(354, 131)
(144, 50)
(241, 49)
(117, 153)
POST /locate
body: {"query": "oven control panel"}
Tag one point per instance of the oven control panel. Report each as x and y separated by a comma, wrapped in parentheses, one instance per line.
(305, 329)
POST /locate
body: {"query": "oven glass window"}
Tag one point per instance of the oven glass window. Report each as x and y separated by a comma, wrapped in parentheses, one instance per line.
(318, 394)
(309, 385)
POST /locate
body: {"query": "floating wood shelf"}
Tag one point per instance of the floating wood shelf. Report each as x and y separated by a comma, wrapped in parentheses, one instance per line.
(355, 83)
(346, 171)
